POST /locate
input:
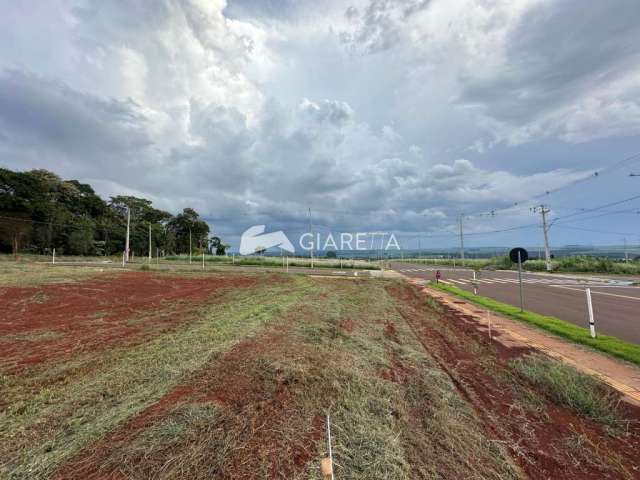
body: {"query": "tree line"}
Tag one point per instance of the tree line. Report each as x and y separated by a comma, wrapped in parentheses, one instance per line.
(39, 211)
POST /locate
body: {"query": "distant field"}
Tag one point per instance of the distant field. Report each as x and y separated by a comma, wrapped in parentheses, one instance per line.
(230, 260)
(138, 374)
(565, 264)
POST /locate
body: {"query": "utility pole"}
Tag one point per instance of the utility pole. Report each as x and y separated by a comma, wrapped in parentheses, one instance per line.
(313, 241)
(461, 240)
(126, 246)
(545, 229)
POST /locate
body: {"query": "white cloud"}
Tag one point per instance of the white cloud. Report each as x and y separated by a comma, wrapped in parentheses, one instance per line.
(370, 106)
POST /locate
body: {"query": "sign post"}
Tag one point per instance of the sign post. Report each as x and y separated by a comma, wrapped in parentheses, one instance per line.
(519, 255)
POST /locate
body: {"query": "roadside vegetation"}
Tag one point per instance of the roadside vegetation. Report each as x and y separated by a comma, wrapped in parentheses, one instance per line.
(605, 343)
(566, 385)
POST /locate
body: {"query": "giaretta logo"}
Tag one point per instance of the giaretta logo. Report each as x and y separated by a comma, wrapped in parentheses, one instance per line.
(255, 240)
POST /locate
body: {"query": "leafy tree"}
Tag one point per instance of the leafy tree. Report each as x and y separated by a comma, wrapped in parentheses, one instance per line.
(40, 211)
(217, 247)
(189, 230)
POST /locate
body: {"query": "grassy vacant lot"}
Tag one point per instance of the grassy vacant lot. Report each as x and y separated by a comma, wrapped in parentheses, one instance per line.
(156, 375)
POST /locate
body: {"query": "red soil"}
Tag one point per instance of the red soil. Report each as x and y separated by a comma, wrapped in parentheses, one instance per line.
(258, 410)
(52, 321)
(541, 445)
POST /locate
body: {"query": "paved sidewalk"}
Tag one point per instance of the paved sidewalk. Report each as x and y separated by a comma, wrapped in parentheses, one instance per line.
(620, 375)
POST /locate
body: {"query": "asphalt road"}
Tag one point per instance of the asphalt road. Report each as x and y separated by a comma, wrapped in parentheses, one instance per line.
(616, 302)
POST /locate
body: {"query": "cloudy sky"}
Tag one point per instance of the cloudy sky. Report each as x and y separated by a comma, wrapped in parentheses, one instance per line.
(378, 115)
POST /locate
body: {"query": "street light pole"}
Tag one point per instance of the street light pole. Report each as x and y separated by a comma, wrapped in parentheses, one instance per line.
(126, 246)
(461, 241)
(545, 229)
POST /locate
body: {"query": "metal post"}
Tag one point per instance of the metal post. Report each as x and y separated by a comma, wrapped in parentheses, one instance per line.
(520, 281)
(189, 245)
(54, 256)
(203, 259)
(489, 322)
(287, 263)
(592, 325)
(233, 259)
(150, 244)
(461, 241)
(126, 246)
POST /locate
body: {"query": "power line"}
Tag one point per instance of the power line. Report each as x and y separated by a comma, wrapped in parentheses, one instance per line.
(594, 209)
(596, 231)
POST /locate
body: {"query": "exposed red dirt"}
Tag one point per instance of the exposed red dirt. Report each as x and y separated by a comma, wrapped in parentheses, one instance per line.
(540, 444)
(261, 422)
(51, 321)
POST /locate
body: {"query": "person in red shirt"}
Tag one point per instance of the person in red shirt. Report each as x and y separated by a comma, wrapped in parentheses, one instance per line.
(438, 276)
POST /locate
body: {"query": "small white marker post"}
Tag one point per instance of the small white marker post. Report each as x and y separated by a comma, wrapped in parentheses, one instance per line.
(53, 260)
(123, 253)
(327, 463)
(283, 262)
(489, 322)
(592, 325)
(233, 259)
(287, 263)
(203, 259)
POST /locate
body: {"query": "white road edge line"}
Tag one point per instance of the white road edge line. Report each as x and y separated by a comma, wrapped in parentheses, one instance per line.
(596, 292)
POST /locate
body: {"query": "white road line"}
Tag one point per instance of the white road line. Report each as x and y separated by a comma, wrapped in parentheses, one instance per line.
(598, 293)
(455, 281)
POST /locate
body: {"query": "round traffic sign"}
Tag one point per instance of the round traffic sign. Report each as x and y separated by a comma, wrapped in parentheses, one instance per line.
(513, 255)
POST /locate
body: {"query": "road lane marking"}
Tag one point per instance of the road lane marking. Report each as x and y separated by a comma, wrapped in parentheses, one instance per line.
(599, 293)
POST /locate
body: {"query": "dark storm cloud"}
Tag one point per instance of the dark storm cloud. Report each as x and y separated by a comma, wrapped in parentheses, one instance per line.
(34, 110)
(558, 52)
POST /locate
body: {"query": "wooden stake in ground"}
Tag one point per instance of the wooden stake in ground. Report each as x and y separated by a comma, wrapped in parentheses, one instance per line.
(326, 464)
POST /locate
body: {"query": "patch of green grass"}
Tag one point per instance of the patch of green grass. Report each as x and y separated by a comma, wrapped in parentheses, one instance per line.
(16, 274)
(414, 427)
(42, 426)
(604, 343)
(580, 392)
(277, 262)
